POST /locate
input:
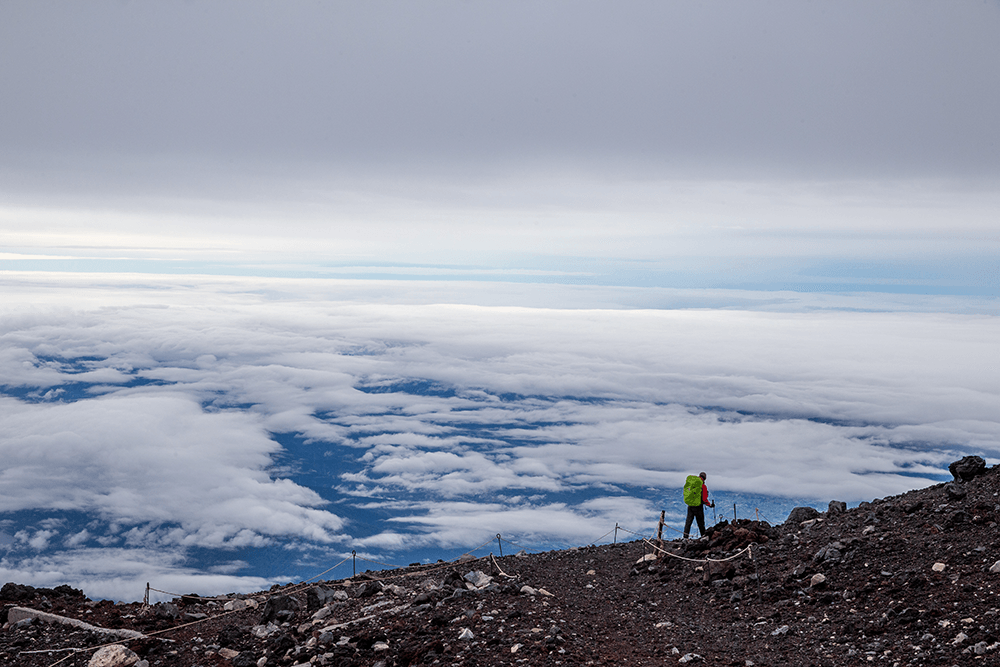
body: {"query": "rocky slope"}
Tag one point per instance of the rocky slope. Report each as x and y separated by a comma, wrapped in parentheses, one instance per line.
(906, 580)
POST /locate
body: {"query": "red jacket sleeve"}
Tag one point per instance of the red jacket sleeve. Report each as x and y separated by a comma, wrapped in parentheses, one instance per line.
(704, 494)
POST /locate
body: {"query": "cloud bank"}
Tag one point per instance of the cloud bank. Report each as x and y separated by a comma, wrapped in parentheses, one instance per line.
(245, 422)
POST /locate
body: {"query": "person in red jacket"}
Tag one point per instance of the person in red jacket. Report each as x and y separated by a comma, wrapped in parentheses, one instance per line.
(698, 511)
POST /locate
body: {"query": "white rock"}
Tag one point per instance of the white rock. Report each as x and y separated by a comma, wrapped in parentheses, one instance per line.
(115, 655)
(515, 647)
(398, 591)
(322, 613)
(466, 635)
(478, 579)
(235, 605)
(545, 593)
(228, 653)
(690, 657)
(528, 590)
(938, 567)
(380, 646)
(995, 569)
(817, 579)
(959, 638)
(783, 630)
(646, 559)
(262, 631)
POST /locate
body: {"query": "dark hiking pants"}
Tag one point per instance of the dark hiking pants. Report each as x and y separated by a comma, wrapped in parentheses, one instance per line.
(696, 512)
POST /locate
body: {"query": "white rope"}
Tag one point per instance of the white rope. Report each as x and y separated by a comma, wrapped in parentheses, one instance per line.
(699, 560)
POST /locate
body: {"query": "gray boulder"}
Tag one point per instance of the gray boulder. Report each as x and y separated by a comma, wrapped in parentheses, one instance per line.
(279, 607)
(967, 468)
(836, 507)
(800, 514)
(320, 596)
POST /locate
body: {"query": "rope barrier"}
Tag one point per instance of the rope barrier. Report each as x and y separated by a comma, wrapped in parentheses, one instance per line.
(602, 536)
(526, 548)
(497, 566)
(699, 560)
(632, 531)
(368, 560)
(470, 551)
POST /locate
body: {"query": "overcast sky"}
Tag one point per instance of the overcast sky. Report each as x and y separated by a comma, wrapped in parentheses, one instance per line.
(827, 144)
(816, 89)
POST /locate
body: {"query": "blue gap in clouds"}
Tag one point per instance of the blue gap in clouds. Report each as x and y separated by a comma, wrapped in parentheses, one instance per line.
(415, 387)
(422, 387)
(69, 392)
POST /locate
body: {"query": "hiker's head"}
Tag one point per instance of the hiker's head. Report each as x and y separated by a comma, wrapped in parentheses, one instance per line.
(702, 475)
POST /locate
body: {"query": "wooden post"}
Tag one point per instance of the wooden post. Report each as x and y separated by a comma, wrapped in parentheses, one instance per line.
(659, 531)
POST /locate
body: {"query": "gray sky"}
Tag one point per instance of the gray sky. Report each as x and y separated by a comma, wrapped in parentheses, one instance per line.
(813, 89)
(637, 143)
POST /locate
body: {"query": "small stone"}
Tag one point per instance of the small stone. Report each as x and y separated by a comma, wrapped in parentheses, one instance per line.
(382, 646)
(959, 638)
(478, 579)
(465, 635)
(644, 559)
(783, 630)
(938, 567)
(817, 580)
(228, 653)
(515, 647)
(115, 655)
(528, 590)
(690, 657)
(995, 569)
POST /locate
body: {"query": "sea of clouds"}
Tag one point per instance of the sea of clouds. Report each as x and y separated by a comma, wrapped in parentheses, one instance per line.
(171, 431)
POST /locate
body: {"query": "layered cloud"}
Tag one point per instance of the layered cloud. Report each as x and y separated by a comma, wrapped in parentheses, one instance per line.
(137, 427)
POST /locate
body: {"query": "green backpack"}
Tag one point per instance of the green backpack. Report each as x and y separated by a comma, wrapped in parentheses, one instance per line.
(692, 490)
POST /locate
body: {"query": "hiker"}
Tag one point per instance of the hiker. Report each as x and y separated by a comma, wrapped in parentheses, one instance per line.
(696, 497)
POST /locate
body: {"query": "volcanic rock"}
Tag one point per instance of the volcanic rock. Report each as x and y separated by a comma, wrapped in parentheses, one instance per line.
(967, 468)
(855, 585)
